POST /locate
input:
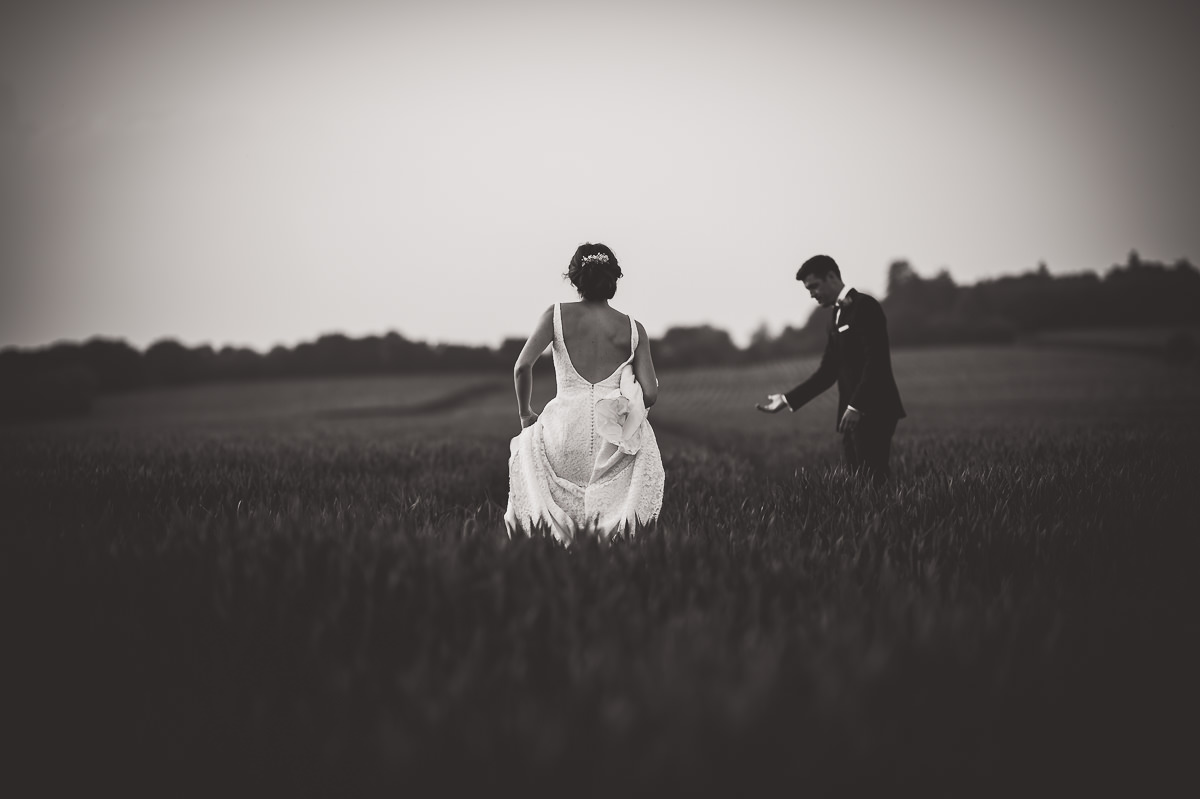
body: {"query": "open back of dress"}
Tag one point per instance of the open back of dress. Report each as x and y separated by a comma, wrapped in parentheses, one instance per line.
(590, 464)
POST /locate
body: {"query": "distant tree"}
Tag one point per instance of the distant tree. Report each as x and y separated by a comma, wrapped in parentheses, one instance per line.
(170, 363)
(793, 341)
(900, 274)
(918, 308)
(761, 334)
(703, 345)
(116, 365)
(333, 354)
(510, 348)
(238, 363)
(280, 362)
(409, 356)
(1147, 292)
(761, 342)
(459, 357)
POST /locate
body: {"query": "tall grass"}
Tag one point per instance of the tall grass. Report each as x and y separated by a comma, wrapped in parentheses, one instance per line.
(332, 612)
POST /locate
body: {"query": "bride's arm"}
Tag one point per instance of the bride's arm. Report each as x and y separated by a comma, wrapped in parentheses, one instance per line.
(541, 337)
(643, 368)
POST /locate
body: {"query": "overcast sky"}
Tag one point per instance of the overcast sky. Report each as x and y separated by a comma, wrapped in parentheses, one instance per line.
(256, 172)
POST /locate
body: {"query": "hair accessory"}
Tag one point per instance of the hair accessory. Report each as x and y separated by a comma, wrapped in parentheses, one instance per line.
(598, 257)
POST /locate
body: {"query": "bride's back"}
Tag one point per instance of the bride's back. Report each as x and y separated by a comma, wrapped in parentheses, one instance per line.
(597, 338)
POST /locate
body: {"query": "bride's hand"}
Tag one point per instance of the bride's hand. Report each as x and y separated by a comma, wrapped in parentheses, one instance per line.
(526, 421)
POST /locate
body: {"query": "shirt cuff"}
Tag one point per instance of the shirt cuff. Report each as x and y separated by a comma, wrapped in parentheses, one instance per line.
(788, 404)
(852, 408)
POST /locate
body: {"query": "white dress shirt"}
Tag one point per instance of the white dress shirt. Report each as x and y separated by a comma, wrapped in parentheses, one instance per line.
(837, 315)
(837, 307)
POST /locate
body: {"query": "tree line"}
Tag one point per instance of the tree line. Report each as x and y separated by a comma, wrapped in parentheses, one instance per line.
(936, 311)
(63, 378)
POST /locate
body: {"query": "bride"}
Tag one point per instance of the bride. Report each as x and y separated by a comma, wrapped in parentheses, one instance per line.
(589, 464)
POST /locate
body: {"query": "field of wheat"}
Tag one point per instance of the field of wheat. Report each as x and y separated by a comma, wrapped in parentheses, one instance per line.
(304, 587)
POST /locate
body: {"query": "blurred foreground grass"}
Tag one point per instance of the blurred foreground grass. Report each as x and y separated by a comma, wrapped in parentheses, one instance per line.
(332, 607)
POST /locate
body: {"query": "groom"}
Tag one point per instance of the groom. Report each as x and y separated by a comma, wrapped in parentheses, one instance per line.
(857, 358)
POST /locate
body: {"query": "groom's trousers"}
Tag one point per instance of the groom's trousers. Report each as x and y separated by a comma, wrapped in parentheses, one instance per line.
(869, 445)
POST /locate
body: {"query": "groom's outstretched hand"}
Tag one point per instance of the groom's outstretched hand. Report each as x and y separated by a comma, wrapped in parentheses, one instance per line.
(774, 404)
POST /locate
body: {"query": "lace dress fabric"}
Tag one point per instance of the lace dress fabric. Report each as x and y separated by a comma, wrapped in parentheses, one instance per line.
(590, 464)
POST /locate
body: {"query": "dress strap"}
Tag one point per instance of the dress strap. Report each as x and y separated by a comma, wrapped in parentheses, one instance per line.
(633, 336)
(558, 336)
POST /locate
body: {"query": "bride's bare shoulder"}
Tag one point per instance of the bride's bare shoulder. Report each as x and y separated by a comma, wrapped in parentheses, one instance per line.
(626, 318)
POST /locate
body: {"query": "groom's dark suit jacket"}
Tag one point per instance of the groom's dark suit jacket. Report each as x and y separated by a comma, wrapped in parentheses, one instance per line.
(857, 357)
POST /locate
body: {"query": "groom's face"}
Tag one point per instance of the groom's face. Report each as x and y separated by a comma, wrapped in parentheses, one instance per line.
(823, 289)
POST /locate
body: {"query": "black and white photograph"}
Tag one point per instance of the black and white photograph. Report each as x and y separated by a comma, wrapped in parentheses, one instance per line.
(457, 398)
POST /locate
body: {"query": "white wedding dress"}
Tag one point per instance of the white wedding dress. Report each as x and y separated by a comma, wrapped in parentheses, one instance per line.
(590, 464)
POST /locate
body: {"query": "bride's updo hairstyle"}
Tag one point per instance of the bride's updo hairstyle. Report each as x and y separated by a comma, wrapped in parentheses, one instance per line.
(594, 271)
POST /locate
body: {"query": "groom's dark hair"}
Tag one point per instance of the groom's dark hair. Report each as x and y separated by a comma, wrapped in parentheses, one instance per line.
(819, 266)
